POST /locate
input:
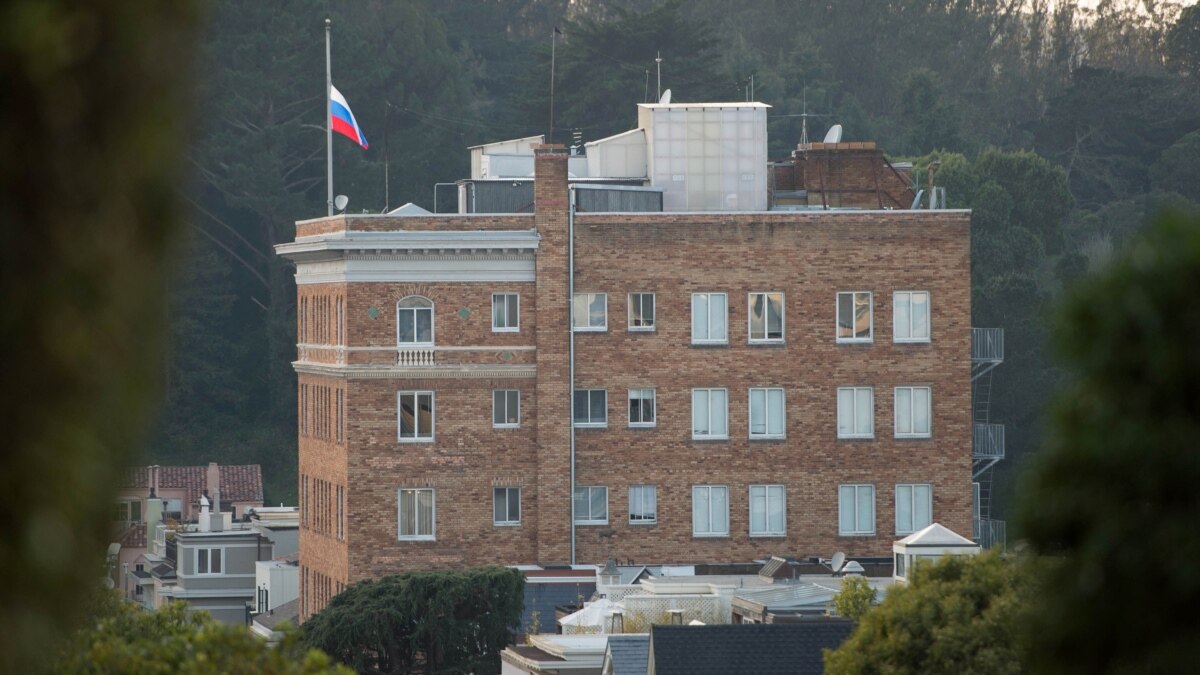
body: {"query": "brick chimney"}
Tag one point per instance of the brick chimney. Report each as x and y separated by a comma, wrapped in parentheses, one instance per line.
(550, 207)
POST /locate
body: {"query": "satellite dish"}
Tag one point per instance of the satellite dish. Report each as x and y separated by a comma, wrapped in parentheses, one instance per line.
(834, 135)
(666, 97)
(839, 559)
(340, 202)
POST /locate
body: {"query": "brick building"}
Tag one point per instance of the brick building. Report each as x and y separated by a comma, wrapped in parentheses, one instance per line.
(745, 383)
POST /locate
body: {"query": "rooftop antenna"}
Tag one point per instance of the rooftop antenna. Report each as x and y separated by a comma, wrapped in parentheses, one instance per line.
(553, 45)
(658, 63)
(804, 142)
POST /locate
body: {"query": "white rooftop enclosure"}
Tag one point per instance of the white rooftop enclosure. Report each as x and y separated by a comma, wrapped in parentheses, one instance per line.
(707, 156)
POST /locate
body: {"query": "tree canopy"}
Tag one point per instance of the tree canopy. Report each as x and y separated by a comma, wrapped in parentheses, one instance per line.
(1113, 497)
(454, 621)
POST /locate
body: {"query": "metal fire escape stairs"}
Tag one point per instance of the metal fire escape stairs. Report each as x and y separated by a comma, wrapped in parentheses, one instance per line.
(987, 448)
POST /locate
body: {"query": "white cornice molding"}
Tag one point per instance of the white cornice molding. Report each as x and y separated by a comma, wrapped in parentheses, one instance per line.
(415, 373)
(440, 242)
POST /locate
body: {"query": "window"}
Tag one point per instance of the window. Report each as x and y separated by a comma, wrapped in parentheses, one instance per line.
(710, 511)
(855, 412)
(506, 408)
(415, 410)
(641, 311)
(766, 317)
(643, 505)
(591, 505)
(708, 318)
(173, 509)
(414, 322)
(709, 414)
(590, 312)
(641, 407)
(506, 316)
(856, 509)
(854, 321)
(208, 561)
(910, 316)
(766, 413)
(506, 506)
(914, 508)
(416, 513)
(127, 512)
(591, 407)
(912, 412)
(767, 511)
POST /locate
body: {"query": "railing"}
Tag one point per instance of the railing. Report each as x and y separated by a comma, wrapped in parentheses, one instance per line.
(418, 356)
(988, 442)
(989, 533)
(987, 344)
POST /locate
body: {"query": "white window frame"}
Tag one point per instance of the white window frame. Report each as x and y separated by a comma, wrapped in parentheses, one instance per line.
(766, 496)
(782, 319)
(589, 520)
(709, 435)
(504, 298)
(767, 391)
(416, 394)
(588, 327)
(707, 491)
(506, 424)
(906, 297)
(837, 309)
(912, 396)
(857, 531)
(870, 433)
(911, 490)
(208, 550)
(508, 520)
(642, 424)
(653, 313)
(696, 340)
(641, 492)
(432, 534)
(590, 424)
(432, 327)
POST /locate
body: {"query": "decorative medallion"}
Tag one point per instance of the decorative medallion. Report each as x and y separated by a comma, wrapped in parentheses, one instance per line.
(506, 356)
(464, 313)
(373, 312)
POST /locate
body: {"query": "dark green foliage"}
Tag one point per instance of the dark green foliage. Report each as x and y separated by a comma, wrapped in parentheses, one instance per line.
(926, 114)
(422, 622)
(1178, 168)
(121, 637)
(961, 615)
(1182, 44)
(855, 598)
(91, 119)
(1114, 495)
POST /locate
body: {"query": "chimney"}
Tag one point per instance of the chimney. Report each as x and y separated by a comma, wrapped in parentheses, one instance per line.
(550, 181)
(676, 617)
(212, 479)
(205, 515)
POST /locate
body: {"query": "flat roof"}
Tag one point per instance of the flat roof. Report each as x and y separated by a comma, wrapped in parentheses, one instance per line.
(745, 104)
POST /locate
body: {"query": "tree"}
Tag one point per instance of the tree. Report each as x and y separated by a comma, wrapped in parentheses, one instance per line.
(928, 117)
(855, 598)
(1112, 498)
(123, 638)
(93, 118)
(1183, 42)
(422, 622)
(1178, 168)
(961, 615)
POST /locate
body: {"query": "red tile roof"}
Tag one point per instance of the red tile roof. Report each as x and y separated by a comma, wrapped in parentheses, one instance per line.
(239, 483)
(134, 537)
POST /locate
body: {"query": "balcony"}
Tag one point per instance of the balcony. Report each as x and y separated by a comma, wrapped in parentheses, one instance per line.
(414, 356)
(989, 533)
(987, 445)
(987, 350)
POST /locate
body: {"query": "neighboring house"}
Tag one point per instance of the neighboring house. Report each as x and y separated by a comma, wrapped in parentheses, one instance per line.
(179, 488)
(745, 649)
(626, 655)
(276, 582)
(748, 374)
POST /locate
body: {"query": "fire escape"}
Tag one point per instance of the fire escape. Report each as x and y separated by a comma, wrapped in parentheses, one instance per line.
(987, 448)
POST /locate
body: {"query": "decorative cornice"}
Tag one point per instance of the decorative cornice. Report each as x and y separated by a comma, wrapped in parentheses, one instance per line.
(415, 373)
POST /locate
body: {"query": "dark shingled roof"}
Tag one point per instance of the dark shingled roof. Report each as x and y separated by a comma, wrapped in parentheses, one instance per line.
(288, 611)
(239, 483)
(628, 654)
(745, 649)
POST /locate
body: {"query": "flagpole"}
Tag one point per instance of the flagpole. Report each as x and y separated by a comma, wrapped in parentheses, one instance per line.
(328, 123)
(553, 44)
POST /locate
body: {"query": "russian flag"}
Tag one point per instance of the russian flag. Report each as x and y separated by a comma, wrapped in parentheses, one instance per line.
(343, 120)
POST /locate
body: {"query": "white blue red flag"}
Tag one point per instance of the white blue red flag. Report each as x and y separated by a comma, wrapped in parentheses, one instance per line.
(343, 120)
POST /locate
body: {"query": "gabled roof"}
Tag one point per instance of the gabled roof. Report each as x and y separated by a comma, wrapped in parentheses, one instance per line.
(239, 483)
(627, 655)
(745, 649)
(936, 535)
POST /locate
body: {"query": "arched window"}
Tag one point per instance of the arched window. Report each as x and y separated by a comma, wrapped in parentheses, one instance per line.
(414, 322)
